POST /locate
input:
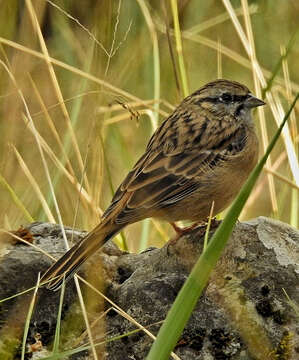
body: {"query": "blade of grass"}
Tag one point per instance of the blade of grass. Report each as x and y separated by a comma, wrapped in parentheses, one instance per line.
(85, 197)
(219, 60)
(261, 111)
(111, 51)
(231, 54)
(68, 353)
(206, 238)
(289, 145)
(260, 187)
(16, 199)
(171, 52)
(186, 300)
(283, 178)
(16, 295)
(56, 87)
(75, 111)
(156, 55)
(85, 317)
(179, 47)
(35, 133)
(144, 234)
(29, 314)
(122, 237)
(292, 303)
(79, 341)
(78, 202)
(294, 131)
(204, 25)
(86, 75)
(90, 34)
(123, 244)
(156, 72)
(278, 66)
(51, 124)
(28, 243)
(159, 228)
(275, 107)
(47, 172)
(122, 312)
(58, 324)
(35, 186)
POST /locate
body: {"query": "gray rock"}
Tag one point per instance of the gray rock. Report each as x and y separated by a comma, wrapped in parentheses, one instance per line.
(243, 313)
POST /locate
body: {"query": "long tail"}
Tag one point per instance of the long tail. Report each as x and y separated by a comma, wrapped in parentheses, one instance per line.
(70, 262)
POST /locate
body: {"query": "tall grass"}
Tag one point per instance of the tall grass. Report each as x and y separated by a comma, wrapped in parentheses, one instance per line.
(84, 86)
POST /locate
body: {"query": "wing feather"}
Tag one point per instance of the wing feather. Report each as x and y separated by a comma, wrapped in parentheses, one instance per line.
(170, 170)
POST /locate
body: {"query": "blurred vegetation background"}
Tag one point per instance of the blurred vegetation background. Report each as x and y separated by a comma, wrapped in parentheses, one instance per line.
(113, 76)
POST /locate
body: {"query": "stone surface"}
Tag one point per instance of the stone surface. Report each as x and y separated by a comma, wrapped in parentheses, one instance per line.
(243, 313)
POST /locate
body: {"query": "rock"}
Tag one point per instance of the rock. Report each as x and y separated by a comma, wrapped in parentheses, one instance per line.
(244, 312)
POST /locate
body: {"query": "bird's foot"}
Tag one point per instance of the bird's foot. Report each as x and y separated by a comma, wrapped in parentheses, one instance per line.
(179, 232)
(185, 230)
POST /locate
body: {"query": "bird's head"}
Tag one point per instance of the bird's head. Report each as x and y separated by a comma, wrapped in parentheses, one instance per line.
(226, 98)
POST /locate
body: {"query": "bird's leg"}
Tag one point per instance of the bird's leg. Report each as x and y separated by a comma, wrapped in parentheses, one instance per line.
(181, 232)
(185, 230)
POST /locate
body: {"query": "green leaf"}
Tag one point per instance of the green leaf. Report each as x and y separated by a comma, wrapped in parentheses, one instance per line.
(58, 324)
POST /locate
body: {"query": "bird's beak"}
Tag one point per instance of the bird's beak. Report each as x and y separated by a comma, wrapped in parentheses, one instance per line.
(252, 101)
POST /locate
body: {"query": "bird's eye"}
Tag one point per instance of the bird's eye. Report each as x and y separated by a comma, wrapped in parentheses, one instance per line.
(226, 98)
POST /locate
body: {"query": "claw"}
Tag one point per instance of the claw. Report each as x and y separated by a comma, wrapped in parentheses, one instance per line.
(183, 231)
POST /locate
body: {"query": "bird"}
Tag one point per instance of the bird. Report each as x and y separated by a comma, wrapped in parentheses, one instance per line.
(202, 153)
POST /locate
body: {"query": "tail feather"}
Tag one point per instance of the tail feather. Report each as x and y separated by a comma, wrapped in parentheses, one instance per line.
(69, 263)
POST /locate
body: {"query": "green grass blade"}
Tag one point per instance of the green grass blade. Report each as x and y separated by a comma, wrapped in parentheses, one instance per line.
(179, 47)
(16, 199)
(110, 182)
(279, 64)
(67, 353)
(187, 298)
(16, 295)
(144, 235)
(156, 73)
(28, 318)
(58, 324)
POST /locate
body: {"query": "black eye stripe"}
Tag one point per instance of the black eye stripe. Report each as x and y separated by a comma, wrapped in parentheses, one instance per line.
(239, 98)
(226, 97)
(232, 98)
(221, 99)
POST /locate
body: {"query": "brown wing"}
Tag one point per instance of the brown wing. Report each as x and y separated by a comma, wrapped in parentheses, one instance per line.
(179, 152)
(157, 187)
